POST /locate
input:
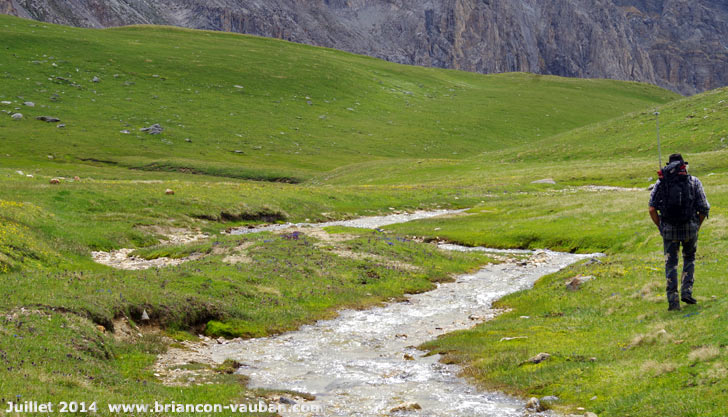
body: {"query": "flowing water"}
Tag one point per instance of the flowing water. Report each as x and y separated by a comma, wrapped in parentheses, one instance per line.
(365, 363)
(371, 222)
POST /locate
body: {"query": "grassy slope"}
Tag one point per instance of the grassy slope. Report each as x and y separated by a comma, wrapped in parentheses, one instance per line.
(360, 108)
(619, 318)
(429, 129)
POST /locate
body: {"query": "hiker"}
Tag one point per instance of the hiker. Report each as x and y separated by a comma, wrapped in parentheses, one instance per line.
(680, 200)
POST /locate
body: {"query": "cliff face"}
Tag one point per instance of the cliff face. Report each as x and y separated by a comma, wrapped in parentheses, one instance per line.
(678, 44)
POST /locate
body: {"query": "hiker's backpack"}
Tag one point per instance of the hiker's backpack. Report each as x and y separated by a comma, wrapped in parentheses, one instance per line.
(677, 195)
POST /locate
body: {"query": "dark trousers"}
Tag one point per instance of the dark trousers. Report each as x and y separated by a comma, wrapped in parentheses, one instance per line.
(672, 248)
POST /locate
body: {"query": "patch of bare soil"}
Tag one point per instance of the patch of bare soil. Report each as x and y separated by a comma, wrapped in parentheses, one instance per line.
(188, 363)
(122, 258)
(239, 254)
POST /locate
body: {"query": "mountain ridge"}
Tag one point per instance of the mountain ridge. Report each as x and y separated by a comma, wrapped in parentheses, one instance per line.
(677, 44)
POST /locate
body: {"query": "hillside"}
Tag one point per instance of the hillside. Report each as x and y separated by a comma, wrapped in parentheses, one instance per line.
(262, 108)
(242, 146)
(677, 44)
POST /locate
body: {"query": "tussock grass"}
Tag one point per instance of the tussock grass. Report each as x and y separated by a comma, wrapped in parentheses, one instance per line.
(704, 354)
(655, 369)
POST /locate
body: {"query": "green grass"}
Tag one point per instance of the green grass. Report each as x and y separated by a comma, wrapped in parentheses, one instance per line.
(361, 108)
(376, 136)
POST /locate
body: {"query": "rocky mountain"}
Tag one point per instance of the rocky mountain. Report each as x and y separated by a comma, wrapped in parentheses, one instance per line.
(677, 44)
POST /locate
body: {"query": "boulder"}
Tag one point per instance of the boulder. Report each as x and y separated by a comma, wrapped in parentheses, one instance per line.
(539, 358)
(549, 399)
(29, 104)
(154, 129)
(48, 119)
(169, 191)
(575, 283)
(55, 181)
(96, 80)
(534, 405)
(17, 116)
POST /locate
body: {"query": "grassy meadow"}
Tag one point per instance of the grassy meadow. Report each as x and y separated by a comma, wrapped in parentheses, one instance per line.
(260, 131)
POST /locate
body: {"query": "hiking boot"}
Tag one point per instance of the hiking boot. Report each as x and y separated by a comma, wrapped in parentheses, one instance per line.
(688, 299)
(675, 306)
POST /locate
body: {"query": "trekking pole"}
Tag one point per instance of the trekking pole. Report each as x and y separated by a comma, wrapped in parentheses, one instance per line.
(659, 149)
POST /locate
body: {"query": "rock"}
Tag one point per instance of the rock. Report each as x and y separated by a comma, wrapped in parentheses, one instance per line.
(544, 181)
(238, 86)
(48, 119)
(20, 172)
(590, 414)
(55, 181)
(534, 405)
(17, 116)
(549, 399)
(29, 104)
(539, 358)
(145, 315)
(154, 129)
(61, 126)
(126, 132)
(169, 191)
(284, 400)
(7, 103)
(575, 283)
(188, 140)
(411, 406)
(408, 357)
(101, 328)
(96, 80)
(77, 178)
(593, 261)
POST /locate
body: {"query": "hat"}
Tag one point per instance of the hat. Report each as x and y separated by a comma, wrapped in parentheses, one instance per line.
(677, 157)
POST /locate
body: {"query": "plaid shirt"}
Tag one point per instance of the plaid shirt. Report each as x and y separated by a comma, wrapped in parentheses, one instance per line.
(690, 229)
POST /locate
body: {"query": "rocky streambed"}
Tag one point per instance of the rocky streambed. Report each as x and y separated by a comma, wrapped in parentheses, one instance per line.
(365, 363)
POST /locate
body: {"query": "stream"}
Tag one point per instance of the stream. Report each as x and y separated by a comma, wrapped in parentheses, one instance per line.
(365, 363)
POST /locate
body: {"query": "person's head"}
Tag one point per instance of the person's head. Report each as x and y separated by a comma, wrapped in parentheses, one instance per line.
(676, 157)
